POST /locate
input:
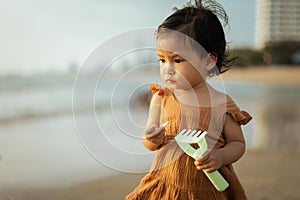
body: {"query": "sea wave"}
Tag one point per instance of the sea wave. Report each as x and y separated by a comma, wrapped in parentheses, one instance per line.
(34, 97)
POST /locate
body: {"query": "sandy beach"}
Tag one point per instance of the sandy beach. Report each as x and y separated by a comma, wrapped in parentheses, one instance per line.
(264, 175)
(270, 173)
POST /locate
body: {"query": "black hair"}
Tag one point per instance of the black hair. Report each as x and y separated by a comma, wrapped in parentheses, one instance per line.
(200, 21)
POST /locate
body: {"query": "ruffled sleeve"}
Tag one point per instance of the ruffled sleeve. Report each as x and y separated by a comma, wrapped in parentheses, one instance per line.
(242, 117)
(155, 88)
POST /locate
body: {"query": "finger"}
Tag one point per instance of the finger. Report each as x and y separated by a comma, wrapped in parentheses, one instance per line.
(202, 160)
(154, 134)
(201, 167)
(156, 139)
(210, 169)
(151, 128)
(151, 135)
(160, 129)
(205, 167)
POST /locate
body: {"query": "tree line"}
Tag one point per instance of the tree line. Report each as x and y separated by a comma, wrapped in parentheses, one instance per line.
(274, 53)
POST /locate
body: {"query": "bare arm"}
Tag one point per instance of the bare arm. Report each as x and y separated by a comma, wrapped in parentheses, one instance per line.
(235, 142)
(231, 152)
(154, 135)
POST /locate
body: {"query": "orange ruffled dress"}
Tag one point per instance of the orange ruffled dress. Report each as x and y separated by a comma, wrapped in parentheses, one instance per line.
(173, 174)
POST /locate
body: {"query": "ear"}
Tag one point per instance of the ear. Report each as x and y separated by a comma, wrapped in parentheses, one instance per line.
(211, 60)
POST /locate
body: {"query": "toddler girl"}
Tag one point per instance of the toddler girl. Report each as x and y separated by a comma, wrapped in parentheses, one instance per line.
(191, 46)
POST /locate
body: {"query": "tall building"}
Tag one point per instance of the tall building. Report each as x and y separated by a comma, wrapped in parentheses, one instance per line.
(277, 20)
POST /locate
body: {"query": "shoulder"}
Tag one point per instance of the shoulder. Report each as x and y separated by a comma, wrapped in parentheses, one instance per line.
(157, 93)
(156, 98)
(221, 99)
(228, 107)
(218, 98)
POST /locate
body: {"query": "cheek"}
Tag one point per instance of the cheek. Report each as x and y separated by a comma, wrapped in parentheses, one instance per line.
(183, 77)
(198, 72)
(197, 66)
(191, 75)
(161, 71)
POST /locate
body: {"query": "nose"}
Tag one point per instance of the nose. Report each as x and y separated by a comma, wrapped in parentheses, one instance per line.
(170, 70)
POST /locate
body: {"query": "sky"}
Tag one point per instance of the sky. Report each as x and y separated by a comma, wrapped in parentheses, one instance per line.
(50, 35)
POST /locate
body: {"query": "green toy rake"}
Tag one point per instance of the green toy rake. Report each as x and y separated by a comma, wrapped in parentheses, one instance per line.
(187, 137)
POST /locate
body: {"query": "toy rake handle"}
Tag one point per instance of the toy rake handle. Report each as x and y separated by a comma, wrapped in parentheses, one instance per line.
(217, 180)
(215, 177)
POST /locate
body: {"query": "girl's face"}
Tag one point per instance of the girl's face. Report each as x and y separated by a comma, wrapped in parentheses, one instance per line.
(180, 66)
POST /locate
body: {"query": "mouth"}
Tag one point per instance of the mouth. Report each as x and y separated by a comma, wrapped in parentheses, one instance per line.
(168, 80)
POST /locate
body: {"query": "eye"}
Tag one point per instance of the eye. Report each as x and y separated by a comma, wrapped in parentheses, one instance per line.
(179, 60)
(161, 60)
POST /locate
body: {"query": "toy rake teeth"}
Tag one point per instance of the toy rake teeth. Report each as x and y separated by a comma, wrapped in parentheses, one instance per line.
(187, 137)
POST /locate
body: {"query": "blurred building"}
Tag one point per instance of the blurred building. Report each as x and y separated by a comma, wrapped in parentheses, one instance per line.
(277, 20)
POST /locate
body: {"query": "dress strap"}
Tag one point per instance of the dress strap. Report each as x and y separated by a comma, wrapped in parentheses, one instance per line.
(155, 88)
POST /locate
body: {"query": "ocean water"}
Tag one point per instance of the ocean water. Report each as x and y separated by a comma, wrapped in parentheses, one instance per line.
(54, 131)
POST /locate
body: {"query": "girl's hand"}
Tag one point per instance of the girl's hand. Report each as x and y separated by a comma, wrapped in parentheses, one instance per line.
(210, 162)
(155, 134)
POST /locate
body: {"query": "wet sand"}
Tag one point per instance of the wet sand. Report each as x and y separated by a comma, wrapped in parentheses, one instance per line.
(264, 175)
